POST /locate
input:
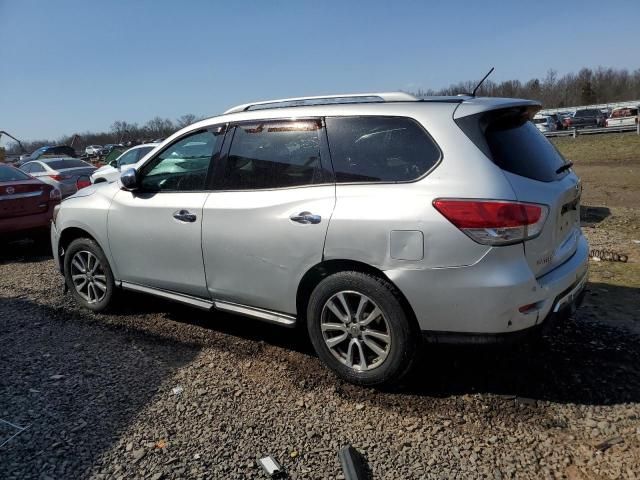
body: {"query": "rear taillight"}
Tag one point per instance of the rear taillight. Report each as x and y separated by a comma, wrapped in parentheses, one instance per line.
(493, 222)
(83, 182)
(55, 195)
(57, 177)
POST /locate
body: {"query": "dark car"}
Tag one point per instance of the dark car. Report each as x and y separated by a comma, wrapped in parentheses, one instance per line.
(106, 150)
(588, 117)
(48, 151)
(26, 203)
(557, 119)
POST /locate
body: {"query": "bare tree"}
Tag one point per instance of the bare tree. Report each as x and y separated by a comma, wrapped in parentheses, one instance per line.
(186, 120)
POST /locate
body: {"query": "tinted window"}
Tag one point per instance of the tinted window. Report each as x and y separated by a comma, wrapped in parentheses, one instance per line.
(33, 168)
(183, 166)
(274, 154)
(128, 158)
(518, 147)
(10, 174)
(379, 149)
(141, 152)
(66, 163)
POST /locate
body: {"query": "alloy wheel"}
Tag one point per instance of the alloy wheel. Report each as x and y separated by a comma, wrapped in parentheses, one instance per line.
(88, 276)
(355, 330)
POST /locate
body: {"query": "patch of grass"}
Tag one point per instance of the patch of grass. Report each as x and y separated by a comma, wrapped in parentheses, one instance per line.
(615, 273)
(619, 148)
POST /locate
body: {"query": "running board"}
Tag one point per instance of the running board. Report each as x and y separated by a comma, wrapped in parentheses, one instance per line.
(253, 312)
(259, 313)
(178, 297)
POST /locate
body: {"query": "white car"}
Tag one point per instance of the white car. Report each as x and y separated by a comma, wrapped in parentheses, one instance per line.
(93, 150)
(111, 172)
(623, 117)
(545, 123)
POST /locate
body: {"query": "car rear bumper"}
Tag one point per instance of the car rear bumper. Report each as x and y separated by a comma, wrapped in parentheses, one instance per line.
(484, 299)
(25, 223)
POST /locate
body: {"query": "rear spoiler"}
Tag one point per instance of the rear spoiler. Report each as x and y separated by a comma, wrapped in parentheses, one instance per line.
(474, 106)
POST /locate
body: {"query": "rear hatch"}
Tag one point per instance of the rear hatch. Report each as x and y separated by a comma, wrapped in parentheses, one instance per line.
(537, 172)
(26, 197)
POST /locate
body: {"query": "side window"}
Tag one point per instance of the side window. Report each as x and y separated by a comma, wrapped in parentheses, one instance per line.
(26, 168)
(274, 154)
(379, 149)
(128, 158)
(36, 168)
(183, 165)
(141, 152)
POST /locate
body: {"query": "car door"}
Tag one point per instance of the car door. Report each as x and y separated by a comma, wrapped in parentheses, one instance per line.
(155, 230)
(265, 223)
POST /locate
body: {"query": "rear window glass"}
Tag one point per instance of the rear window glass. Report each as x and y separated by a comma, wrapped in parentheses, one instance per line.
(513, 143)
(10, 174)
(379, 149)
(70, 163)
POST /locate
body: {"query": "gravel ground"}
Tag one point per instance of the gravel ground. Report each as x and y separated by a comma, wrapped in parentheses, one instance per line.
(96, 392)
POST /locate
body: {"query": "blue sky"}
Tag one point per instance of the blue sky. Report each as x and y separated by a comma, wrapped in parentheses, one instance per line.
(72, 66)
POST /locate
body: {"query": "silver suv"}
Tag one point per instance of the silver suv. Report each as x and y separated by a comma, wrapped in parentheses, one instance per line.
(378, 220)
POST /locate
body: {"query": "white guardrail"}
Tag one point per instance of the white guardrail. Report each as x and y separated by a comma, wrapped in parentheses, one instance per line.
(599, 106)
(590, 131)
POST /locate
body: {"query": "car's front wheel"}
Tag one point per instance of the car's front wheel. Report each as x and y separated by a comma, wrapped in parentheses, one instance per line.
(88, 275)
(359, 328)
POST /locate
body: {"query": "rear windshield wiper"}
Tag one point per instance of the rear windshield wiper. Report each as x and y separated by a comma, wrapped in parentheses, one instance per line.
(564, 167)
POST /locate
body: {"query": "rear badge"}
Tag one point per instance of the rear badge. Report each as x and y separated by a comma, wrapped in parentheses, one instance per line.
(10, 190)
(544, 260)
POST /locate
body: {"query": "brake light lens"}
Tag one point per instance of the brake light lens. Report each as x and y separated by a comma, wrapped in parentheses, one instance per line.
(57, 177)
(83, 182)
(494, 222)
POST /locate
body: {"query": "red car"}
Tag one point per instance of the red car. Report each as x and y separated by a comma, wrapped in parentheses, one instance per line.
(26, 203)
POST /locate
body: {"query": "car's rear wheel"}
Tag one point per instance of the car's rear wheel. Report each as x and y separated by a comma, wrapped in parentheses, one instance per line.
(88, 275)
(359, 328)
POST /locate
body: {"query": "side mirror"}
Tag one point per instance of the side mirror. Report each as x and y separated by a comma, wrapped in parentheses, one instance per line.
(129, 179)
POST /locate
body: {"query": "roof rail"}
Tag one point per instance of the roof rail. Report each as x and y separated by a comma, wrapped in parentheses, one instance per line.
(326, 100)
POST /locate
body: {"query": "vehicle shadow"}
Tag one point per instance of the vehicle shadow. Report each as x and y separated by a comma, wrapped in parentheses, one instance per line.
(295, 339)
(591, 216)
(593, 359)
(70, 382)
(25, 250)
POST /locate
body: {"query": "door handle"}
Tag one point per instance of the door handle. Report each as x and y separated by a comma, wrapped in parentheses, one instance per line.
(306, 218)
(185, 216)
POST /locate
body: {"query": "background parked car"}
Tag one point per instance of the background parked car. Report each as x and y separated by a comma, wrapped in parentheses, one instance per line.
(93, 150)
(111, 171)
(545, 123)
(588, 117)
(26, 203)
(622, 117)
(62, 173)
(557, 119)
(104, 151)
(48, 151)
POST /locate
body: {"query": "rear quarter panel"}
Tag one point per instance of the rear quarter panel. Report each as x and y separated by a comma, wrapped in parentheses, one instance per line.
(366, 214)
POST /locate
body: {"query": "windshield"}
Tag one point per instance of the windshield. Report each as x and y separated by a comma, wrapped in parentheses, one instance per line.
(10, 174)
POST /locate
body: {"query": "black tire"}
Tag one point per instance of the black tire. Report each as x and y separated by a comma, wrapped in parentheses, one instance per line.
(88, 245)
(401, 352)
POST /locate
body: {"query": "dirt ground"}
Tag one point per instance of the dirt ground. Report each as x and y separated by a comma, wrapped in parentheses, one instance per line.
(97, 391)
